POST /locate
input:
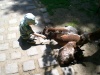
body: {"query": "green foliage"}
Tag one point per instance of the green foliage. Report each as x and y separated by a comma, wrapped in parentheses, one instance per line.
(89, 7)
(71, 24)
(54, 4)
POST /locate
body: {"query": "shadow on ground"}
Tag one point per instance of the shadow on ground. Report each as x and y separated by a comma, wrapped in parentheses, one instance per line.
(94, 58)
(24, 44)
(49, 59)
(91, 52)
(22, 7)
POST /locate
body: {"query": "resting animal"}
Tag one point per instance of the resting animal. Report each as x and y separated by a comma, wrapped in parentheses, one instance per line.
(66, 54)
(68, 38)
(61, 34)
(69, 54)
(70, 42)
(63, 30)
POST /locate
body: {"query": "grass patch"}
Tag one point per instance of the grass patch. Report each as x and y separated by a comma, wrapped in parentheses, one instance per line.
(73, 23)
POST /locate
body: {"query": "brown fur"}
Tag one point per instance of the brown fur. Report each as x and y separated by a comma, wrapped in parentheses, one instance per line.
(66, 53)
(68, 41)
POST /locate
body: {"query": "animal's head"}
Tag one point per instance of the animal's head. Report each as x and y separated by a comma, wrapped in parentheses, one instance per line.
(66, 55)
(49, 34)
(84, 39)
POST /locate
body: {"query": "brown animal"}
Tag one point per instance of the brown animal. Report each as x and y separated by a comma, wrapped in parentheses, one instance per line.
(70, 42)
(59, 34)
(67, 38)
(63, 35)
(66, 54)
(62, 30)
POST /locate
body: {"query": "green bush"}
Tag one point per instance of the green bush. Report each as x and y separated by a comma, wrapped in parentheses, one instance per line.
(87, 6)
(54, 4)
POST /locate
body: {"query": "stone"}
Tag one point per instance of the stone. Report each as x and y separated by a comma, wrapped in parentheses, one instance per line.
(15, 44)
(1, 5)
(54, 72)
(41, 63)
(2, 30)
(10, 3)
(14, 74)
(32, 51)
(12, 36)
(13, 28)
(15, 55)
(13, 21)
(37, 74)
(11, 68)
(4, 46)
(28, 65)
(43, 48)
(0, 71)
(1, 37)
(2, 57)
(47, 61)
(14, 15)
